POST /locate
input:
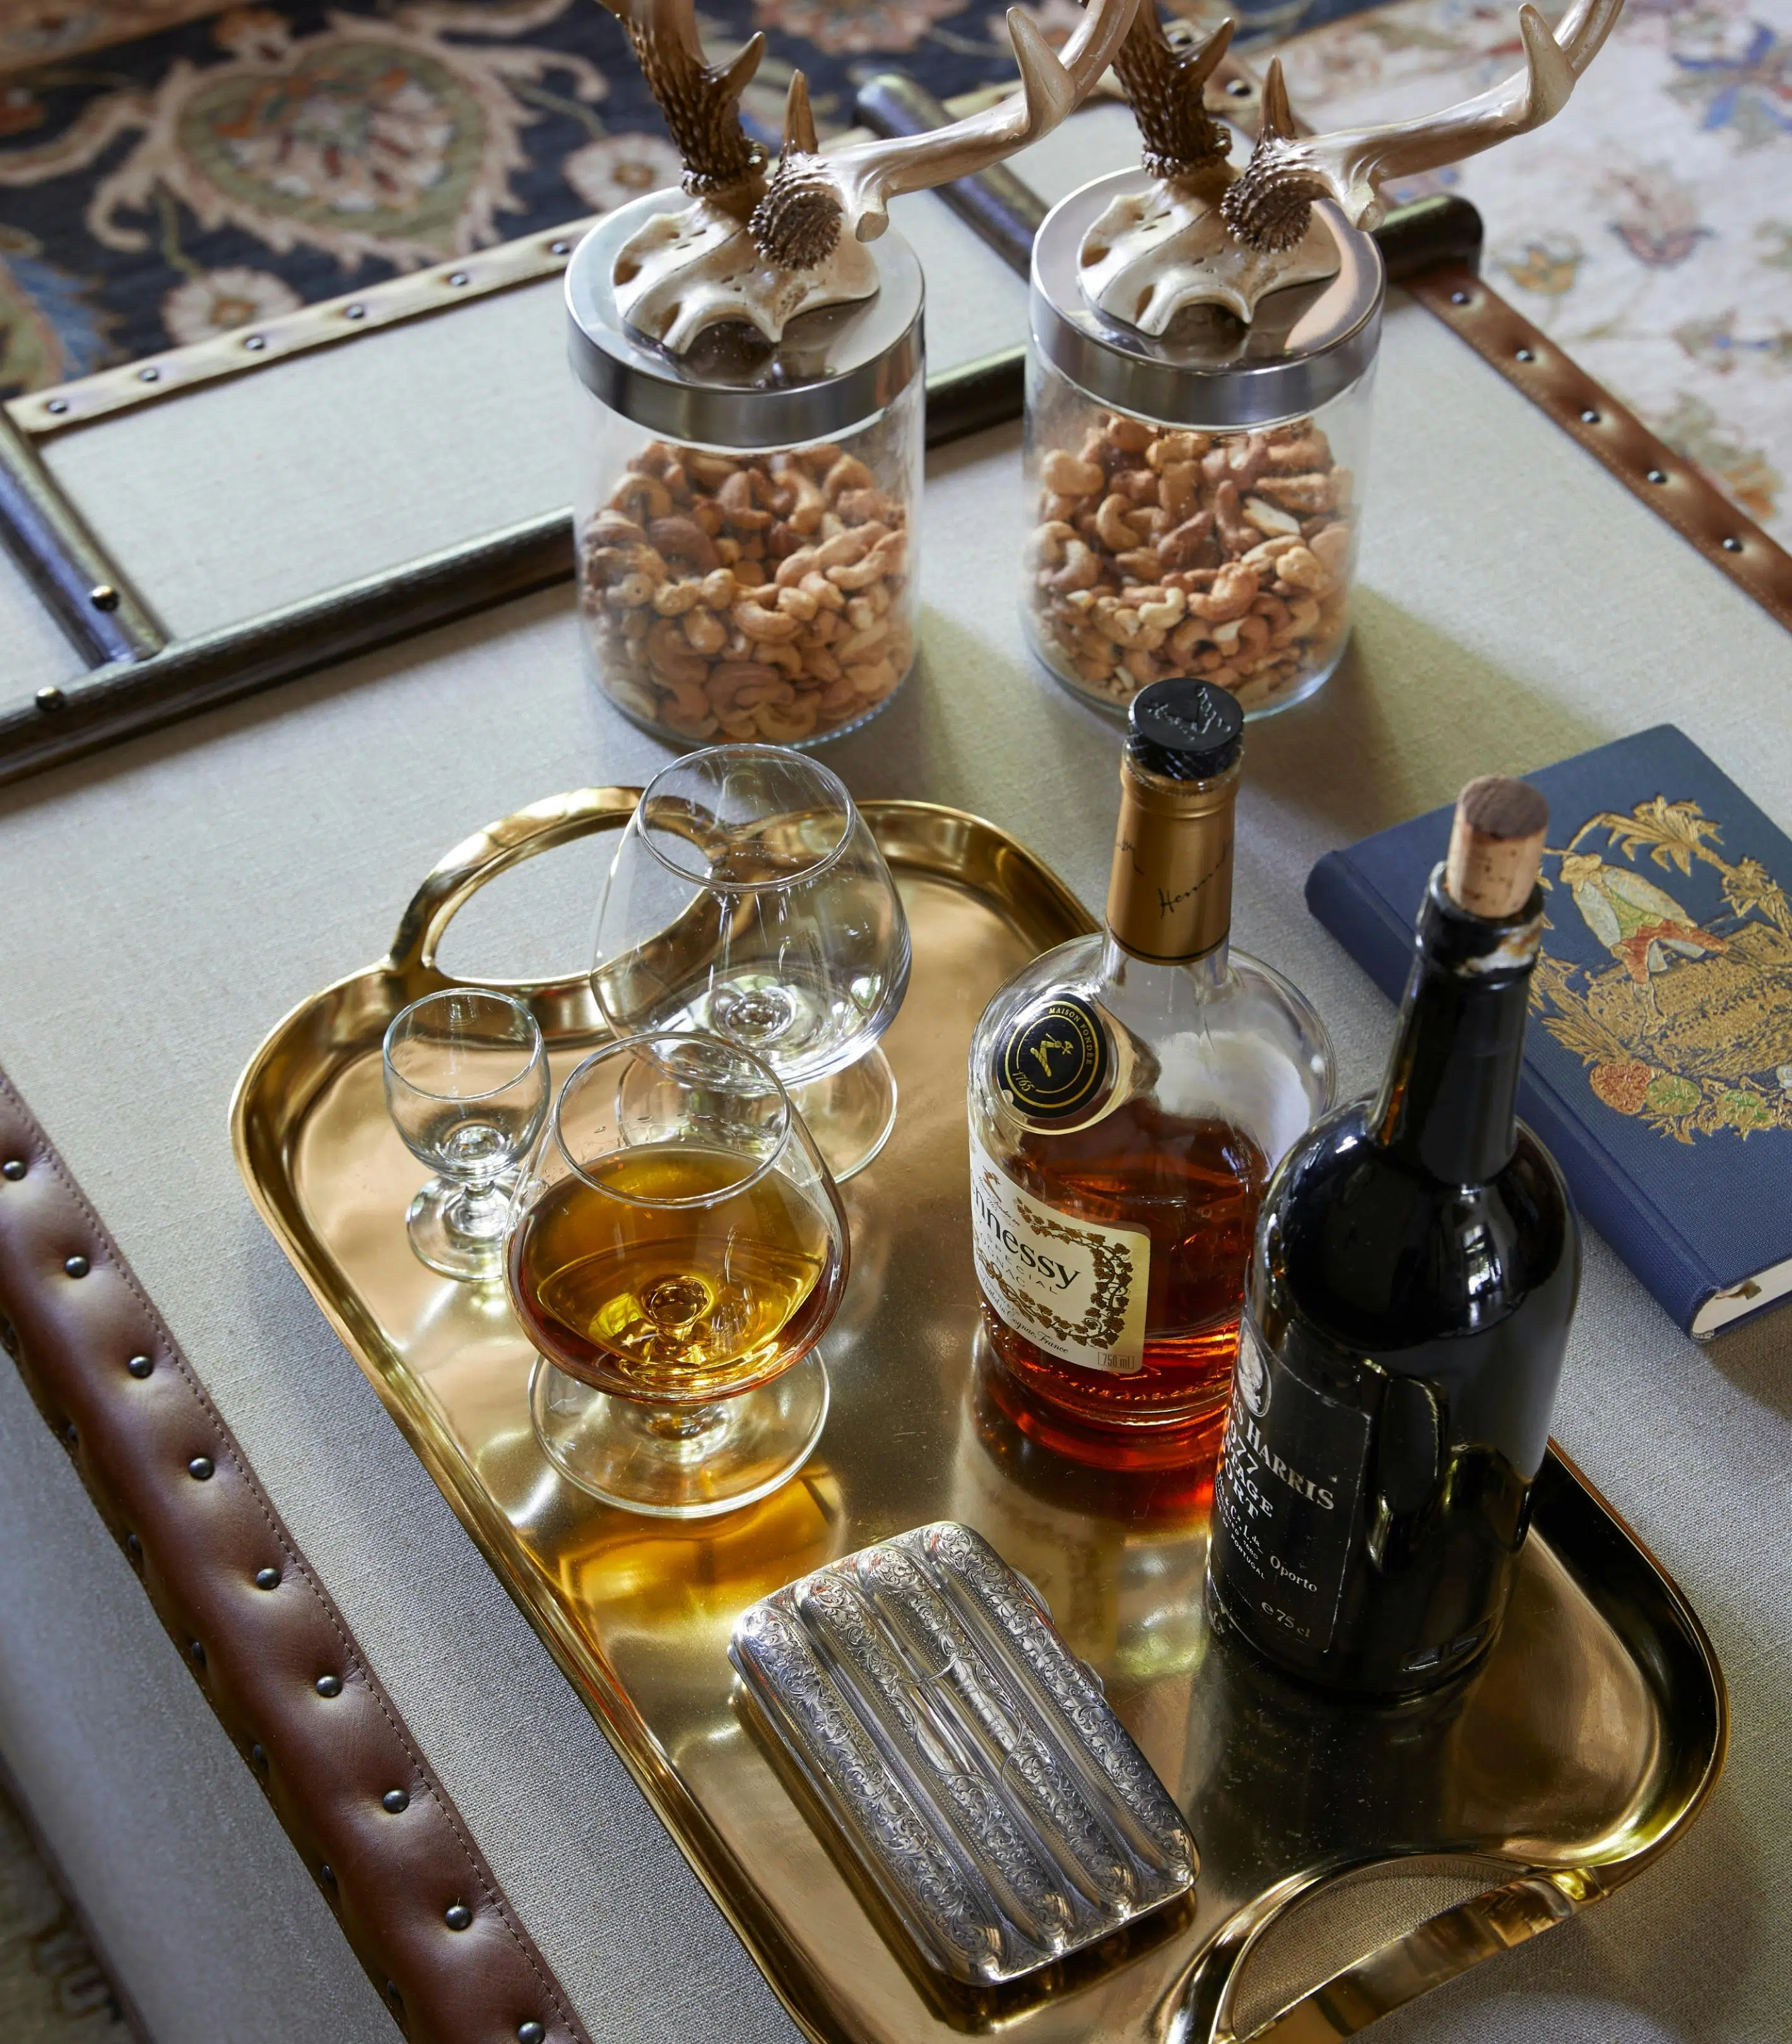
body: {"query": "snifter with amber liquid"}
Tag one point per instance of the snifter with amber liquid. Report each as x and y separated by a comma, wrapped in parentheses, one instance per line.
(677, 1250)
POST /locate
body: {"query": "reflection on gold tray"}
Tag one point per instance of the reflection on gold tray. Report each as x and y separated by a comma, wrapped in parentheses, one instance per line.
(1351, 1858)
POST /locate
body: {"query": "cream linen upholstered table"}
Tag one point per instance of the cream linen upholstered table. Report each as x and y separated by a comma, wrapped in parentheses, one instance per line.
(163, 903)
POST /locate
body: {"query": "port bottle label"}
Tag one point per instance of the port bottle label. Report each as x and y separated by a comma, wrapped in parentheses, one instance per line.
(1287, 1494)
(1073, 1287)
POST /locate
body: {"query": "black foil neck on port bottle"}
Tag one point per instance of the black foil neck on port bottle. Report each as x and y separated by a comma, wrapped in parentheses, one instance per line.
(1449, 1100)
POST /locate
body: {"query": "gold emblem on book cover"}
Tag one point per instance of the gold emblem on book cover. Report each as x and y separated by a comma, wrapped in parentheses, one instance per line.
(1689, 1026)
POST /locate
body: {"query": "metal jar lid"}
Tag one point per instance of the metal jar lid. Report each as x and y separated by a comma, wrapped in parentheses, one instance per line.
(1305, 345)
(834, 368)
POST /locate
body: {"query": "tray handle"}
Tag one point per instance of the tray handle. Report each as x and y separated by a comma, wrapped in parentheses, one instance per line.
(461, 873)
(1199, 2009)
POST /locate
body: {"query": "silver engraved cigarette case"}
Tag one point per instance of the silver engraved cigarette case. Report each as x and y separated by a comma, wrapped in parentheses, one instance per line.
(968, 1759)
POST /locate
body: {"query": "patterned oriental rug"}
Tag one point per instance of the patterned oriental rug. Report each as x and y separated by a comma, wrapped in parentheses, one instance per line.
(234, 163)
(52, 1989)
(1647, 229)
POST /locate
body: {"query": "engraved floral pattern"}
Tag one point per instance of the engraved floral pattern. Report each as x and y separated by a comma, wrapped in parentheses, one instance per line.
(968, 1564)
(1031, 1771)
(1024, 1890)
(899, 1676)
(776, 1649)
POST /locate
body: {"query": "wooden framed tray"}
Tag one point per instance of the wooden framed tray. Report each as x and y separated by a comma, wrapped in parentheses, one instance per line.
(1351, 1858)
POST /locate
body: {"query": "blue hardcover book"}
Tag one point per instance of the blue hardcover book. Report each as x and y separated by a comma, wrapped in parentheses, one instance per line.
(1657, 1066)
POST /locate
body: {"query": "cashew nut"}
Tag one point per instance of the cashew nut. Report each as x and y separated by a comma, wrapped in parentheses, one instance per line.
(1234, 591)
(1062, 472)
(1080, 569)
(644, 498)
(737, 498)
(759, 623)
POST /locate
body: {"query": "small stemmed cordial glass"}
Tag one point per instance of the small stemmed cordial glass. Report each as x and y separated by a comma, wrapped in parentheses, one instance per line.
(466, 1085)
(748, 899)
(677, 1249)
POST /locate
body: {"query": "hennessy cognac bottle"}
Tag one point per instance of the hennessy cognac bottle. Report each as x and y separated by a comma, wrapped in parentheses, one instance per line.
(1130, 1094)
(1416, 1268)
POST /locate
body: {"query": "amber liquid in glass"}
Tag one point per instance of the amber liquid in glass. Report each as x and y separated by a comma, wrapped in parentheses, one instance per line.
(1193, 1187)
(673, 1302)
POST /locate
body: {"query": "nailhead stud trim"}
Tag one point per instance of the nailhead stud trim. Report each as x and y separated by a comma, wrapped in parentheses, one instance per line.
(73, 1343)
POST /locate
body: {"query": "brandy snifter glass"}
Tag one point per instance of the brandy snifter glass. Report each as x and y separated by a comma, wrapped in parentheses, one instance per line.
(466, 1086)
(677, 1249)
(748, 899)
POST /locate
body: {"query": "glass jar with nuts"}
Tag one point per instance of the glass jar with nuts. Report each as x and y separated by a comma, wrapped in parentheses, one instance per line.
(1193, 498)
(746, 512)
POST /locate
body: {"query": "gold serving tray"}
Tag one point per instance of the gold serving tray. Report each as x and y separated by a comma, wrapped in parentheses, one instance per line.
(1351, 1858)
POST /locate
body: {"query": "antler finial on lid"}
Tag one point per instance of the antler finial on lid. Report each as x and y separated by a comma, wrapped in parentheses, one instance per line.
(1153, 252)
(700, 102)
(1207, 234)
(1269, 205)
(812, 199)
(764, 250)
(1165, 87)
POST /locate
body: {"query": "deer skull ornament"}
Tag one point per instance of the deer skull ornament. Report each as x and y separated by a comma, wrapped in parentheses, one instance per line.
(764, 248)
(1206, 234)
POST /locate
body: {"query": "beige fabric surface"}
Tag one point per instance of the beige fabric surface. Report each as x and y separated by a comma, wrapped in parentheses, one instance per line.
(162, 905)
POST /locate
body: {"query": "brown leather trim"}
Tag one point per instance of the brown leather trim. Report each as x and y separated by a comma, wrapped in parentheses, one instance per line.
(1611, 433)
(171, 1481)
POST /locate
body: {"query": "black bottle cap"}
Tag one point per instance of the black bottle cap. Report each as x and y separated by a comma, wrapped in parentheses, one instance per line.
(1184, 730)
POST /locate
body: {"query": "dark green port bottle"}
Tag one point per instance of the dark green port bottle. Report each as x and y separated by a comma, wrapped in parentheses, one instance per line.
(1415, 1269)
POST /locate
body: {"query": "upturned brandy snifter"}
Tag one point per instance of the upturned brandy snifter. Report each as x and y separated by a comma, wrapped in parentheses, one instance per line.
(676, 1251)
(748, 899)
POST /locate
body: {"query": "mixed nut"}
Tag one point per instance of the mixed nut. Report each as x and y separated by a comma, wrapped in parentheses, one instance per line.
(758, 597)
(1163, 552)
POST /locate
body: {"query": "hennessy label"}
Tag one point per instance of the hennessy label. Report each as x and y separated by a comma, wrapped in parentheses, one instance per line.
(1287, 1496)
(1073, 1287)
(1053, 1062)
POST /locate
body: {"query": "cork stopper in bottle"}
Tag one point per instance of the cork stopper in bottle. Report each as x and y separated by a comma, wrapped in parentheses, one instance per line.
(1496, 846)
